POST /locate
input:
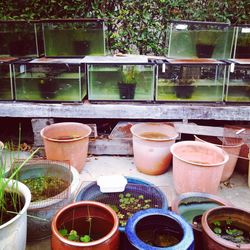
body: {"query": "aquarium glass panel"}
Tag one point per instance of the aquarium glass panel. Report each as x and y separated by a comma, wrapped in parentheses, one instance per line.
(238, 88)
(243, 42)
(5, 82)
(69, 39)
(200, 40)
(121, 82)
(54, 82)
(203, 83)
(18, 39)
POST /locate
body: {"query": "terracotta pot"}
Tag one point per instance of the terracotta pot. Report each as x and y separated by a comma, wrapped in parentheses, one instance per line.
(242, 164)
(67, 141)
(197, 166)
(151, 146)
(233, 150)
(76, 211)
(191, 206)
(153, 229)
(211, 240)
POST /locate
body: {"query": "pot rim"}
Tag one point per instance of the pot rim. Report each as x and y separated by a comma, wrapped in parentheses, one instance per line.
(153, 124)
(186, 241)
(220, 145)
(212, 235)
(23, 189)
(79, 204)
(202, 144)
(43, 130)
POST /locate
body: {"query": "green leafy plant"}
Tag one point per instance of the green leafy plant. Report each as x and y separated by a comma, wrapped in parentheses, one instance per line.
(129, 74)
(73, 235)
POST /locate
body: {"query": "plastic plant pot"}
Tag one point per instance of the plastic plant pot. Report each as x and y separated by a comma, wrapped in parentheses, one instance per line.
(147, 226)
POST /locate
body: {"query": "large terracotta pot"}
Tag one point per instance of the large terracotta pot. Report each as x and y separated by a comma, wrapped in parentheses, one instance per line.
(67, 141)
(76, 213)
(154, 229)
(232, 147)
(151, 146)
(13, 233)
(191, 206)
(236, 215)
(197, 166)
(243, 163)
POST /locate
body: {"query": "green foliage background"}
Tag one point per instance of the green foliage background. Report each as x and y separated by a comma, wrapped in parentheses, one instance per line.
(131, 24)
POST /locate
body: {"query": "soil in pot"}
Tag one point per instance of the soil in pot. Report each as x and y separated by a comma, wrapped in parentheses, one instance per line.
(44, 187)
(13, 204)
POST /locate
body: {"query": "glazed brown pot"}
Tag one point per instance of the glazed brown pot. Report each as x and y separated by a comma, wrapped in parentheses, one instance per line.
(211, 240)
(192, 204)
(92, 209)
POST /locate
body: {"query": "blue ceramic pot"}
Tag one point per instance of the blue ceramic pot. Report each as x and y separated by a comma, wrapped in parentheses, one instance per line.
(152, 226)
(92, 192)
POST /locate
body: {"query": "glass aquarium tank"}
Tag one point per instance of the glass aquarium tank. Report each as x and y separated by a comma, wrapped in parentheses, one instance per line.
(50, 80)
(74, 37)
(6, 86)
(201, 80)
(120, 79)
(238, 84)
(21, 39)
(242, 42)
(194, 39)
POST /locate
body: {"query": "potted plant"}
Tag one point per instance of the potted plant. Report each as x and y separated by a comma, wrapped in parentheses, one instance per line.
(159, 229)
(129, 76)
(52, 185)
(85, 225)
(15, 199)
(191, 206)
(226, 228)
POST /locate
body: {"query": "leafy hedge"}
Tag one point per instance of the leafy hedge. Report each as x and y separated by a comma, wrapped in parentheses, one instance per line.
(133, 25)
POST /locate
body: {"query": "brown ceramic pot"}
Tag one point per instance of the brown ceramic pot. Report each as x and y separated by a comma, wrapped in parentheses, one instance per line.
(106, 224)
(211, 240)
(232, 147)
(191, 206)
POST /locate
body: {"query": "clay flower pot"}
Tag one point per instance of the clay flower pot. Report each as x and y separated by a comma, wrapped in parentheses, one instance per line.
(67, 141)
(191, 206)
(232, 217)
(197, 166)
(151, 146)
(232, 147)
(153, 229)
(103, 229)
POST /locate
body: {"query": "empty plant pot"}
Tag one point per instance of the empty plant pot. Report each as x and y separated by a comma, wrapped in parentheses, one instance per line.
(67, 141)
(151, 146)
(191, 206)
(155, 229)
(88, 218)
(197, 166)
(225, 228)
(231, 146)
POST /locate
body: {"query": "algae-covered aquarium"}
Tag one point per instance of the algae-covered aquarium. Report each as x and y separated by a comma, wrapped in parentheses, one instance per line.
(190, 80)
(242, 42)
(74, 37)
(194, 39)
(6, 87)
(238, 84)
(50, 80)
(21, 38)
(120, 79)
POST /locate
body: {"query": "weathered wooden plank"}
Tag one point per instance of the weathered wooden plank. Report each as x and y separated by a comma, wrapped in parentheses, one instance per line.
(126, 111)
